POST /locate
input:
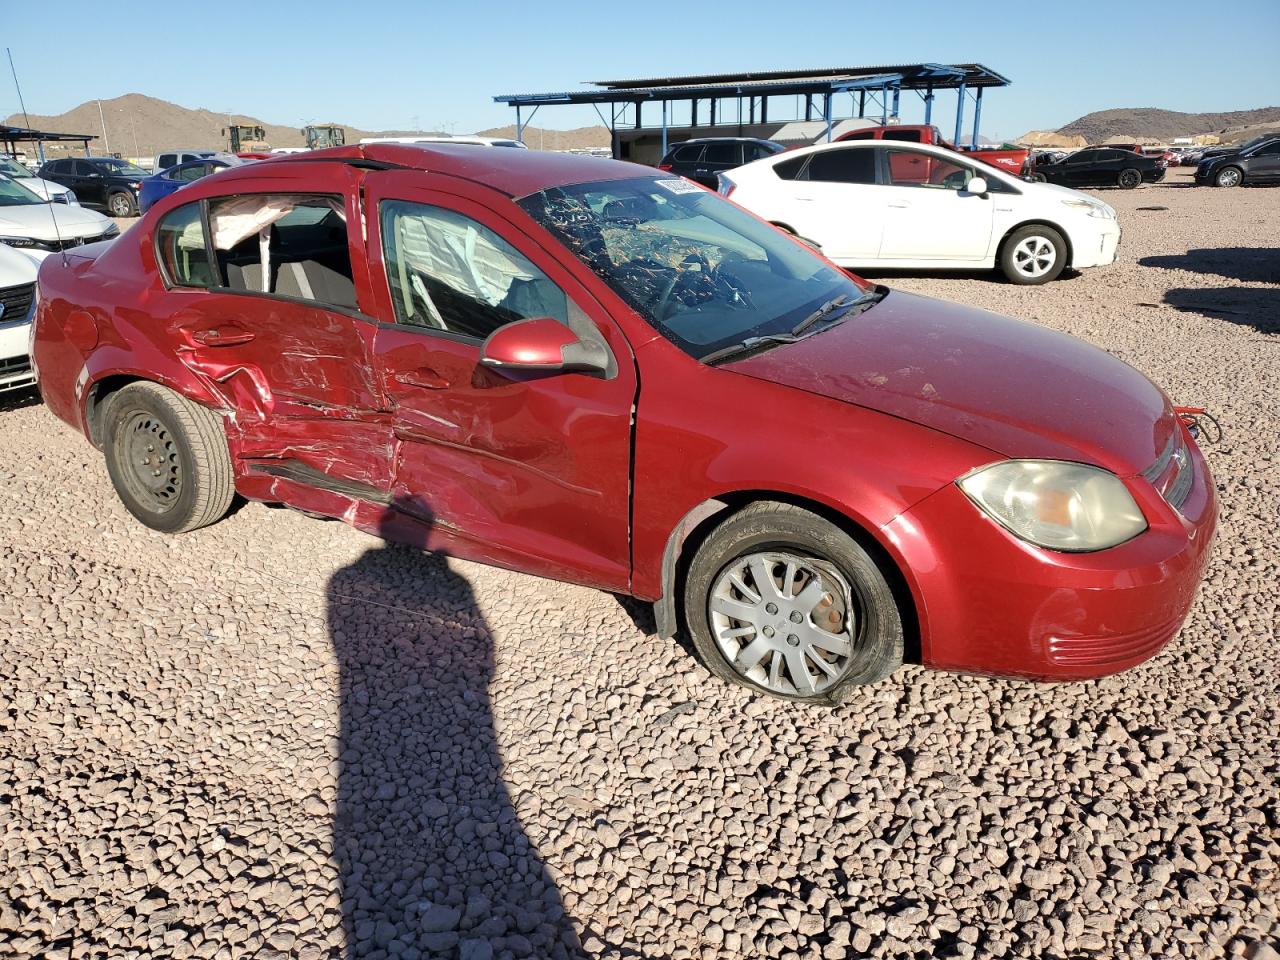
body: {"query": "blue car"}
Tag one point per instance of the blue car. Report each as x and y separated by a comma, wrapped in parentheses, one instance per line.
(165, 182)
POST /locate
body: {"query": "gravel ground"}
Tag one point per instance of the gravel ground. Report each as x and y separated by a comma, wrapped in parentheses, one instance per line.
(278, 737)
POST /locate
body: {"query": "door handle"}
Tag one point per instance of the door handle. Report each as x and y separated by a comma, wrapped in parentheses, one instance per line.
(900, 204)
(423, 377)
(221, 336)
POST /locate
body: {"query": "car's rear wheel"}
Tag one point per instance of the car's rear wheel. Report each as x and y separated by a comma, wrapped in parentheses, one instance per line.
(1038, 178)
(1033, 254)
(121, 204)
(1129, 178)
(1229, 177)
(784, 602)
(167, 458)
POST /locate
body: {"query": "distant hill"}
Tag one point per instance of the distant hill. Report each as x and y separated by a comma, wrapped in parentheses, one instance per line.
(536, 138)
(141, 126)
(1148, 123)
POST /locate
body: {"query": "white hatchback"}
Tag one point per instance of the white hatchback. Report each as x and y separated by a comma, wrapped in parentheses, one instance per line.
(897, 205)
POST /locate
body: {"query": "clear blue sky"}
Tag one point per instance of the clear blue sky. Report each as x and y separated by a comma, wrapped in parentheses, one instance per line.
(386, 64)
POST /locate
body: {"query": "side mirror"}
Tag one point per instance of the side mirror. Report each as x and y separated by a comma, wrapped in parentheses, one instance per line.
(542, 345)
(977, 185)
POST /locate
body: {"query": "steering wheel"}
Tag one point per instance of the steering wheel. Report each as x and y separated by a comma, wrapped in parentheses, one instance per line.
(705, 274)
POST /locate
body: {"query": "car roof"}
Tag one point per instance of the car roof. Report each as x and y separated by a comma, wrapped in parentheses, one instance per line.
(516, 173)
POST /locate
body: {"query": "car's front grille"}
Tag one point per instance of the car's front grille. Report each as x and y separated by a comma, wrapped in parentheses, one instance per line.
(1171, 472)
(16, 301)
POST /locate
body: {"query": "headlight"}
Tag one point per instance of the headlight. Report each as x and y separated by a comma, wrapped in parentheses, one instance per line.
(111, 231)
(1095, 208)
(70, 199)
(21, 242)
(1056, 504)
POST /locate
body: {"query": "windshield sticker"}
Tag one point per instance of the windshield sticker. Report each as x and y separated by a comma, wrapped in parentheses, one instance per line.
(679, 186)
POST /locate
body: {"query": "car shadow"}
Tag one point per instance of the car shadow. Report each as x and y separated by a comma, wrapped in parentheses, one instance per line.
(1257, 307)
(888, 275)
(432, 857)
(1251, 264)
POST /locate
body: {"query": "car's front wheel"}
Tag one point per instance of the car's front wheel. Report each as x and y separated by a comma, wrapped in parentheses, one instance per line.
(786, 603)
(1229, 177)
(1129, 179)
(167, 458)
(121, 205)
(1033, 254)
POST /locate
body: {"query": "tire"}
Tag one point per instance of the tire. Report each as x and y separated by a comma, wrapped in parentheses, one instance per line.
(1129, 179)
(189, 483)
(1033, 254)
(122, 204)
(833, 577)
(1228, 177)
(1038, 178)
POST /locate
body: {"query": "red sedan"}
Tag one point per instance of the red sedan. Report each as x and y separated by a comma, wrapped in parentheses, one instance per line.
(599, 373)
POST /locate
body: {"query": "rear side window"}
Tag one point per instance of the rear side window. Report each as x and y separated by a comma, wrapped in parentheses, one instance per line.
(290, 245)
(724, 153)
(843, 166)
(82, 169)
(861, 135)
(167, 160)
(906, 136)
(181, 250)
(789, 169)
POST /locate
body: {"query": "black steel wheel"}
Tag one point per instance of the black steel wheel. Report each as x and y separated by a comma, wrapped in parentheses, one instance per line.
(1129, 178)
(167, 458)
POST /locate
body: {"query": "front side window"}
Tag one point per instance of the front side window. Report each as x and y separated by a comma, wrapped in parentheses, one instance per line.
(181, 249)
(702, 272)
(842, 166)
(290, 245)
(689, 154)
(449, 273)
(167, 160)
(192, 172)
(906, 136)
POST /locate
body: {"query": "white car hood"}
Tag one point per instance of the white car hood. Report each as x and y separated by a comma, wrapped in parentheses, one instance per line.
(16, 268)
(35, 220)
(44, 189)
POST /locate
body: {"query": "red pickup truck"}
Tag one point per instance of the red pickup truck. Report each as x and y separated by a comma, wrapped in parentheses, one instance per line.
(1010, 161)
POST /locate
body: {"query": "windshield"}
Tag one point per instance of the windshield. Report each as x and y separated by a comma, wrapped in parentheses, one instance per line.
(122, 168)
(703, 272)
(13, 168)
(14, 194)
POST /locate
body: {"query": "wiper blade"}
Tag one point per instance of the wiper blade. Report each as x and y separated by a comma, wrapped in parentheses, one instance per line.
(841, 305)
(747, 345)
(818, 314)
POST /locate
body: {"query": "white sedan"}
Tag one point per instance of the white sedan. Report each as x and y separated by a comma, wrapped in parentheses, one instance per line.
(17, 294)
(897, 205)
(44, 189)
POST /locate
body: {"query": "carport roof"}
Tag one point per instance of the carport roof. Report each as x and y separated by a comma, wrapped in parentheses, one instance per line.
(916, 76)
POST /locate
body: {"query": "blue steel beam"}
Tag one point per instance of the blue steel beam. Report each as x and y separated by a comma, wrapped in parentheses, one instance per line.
(977, 116)
(959, 114)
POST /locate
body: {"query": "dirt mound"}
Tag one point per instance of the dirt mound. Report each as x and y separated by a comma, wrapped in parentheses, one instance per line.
(1149, 123)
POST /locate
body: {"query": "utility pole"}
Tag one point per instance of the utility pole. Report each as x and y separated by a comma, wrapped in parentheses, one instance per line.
(105, 139)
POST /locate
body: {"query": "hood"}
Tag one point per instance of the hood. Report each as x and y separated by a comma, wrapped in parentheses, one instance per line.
(16, 267)
(44, 189)
(35, 220)
(1016, 388)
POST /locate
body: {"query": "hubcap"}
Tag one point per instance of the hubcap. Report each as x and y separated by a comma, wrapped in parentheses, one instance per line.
(1034, 256)
(151, 460)
(783, 621)
(1229, 178)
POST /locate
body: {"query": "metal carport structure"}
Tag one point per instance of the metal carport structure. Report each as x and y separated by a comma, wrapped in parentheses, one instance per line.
(10, 137)
(819, 89)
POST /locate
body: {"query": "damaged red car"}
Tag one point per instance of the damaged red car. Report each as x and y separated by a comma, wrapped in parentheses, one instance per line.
(600, 373)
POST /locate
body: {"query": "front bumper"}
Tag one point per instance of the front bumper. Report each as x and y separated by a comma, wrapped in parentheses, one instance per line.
(1095, 246)
(990, 603)
(15, 366)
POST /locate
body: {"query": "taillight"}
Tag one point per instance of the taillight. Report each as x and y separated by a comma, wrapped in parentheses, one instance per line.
(664, 167)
